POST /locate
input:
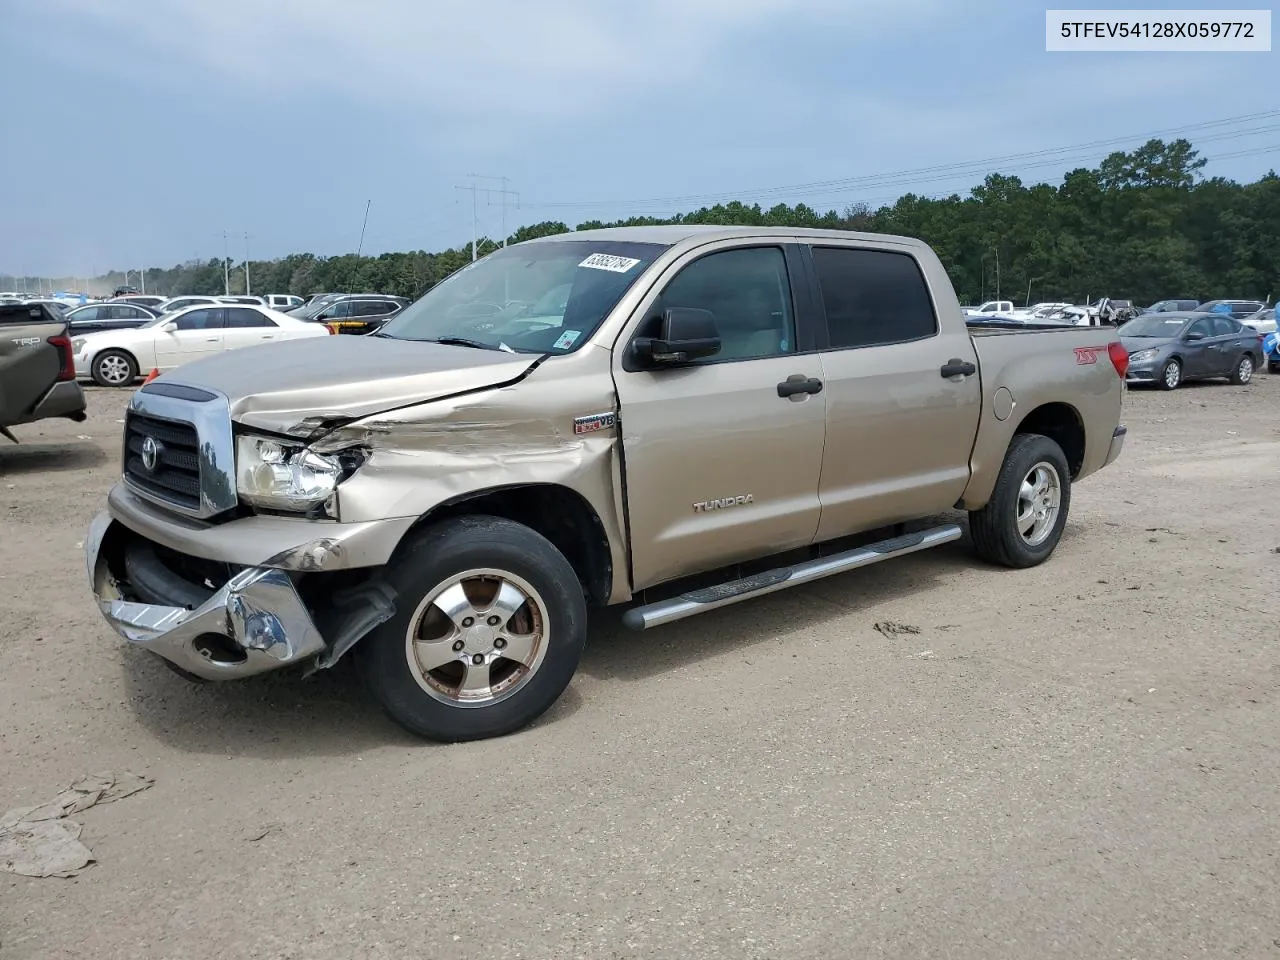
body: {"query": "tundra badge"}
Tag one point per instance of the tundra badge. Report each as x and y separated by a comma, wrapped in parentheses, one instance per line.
(705, 506)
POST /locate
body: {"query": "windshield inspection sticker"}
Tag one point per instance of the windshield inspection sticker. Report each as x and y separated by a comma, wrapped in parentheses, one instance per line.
(607, 261)
(567, 340)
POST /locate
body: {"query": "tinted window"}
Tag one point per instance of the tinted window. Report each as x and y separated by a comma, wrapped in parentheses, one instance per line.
(122, 311)
(750, 295)
(338, 310)
(1224, 327)
(1203, 327)
(375, 308)
(873, 297)
(201, 320)
(238, 318)
(89, 313)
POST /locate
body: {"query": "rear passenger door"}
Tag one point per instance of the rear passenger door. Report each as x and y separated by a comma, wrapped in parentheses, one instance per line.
(903, 391)
(245, 327)
(1222, 351)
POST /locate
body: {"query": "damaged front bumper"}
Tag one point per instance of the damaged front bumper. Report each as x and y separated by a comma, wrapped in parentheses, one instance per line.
(255, 622)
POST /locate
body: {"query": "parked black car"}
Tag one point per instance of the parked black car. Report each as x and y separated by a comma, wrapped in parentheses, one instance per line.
(96, 317)
(354, 313)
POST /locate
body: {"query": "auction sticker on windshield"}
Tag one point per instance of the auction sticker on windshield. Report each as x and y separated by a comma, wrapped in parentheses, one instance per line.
(607, 261)
(567, 340)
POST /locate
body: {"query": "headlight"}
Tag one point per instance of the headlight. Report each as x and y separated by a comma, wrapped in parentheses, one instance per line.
(1143, 355)
(282, 476)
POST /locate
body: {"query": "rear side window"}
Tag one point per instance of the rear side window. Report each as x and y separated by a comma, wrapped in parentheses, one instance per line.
(1224, 327)
(239, 318)
(873, 297)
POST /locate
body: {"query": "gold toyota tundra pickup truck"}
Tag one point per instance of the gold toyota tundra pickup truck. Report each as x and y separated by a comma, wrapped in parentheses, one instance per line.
(671, 418)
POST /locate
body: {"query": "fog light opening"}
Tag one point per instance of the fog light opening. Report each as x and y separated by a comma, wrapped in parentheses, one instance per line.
(218, 649)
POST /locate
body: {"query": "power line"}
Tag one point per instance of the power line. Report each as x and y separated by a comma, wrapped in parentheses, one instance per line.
(503, 193)
(948, 170)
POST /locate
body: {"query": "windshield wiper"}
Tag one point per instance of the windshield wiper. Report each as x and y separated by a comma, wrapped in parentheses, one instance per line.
(465, 342)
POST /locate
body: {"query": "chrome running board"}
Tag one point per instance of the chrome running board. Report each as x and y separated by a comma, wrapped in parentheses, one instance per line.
(709, 598)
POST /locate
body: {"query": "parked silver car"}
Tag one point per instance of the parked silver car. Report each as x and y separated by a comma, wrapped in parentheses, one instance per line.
(1168, 349)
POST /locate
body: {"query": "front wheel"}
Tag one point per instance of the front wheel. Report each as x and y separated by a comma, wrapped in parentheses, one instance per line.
(114, 368)
(490, 625)
(1171, 376)
(1243, 372)
(1023, 521)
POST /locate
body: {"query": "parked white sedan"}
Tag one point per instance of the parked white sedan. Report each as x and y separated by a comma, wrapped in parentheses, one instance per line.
(115, 358)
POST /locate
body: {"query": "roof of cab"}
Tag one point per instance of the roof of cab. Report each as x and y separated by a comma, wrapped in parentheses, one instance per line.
(672, 234)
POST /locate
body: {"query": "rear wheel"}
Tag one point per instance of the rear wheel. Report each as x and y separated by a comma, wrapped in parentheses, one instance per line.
(1171, 375)
(1023, 521)
(490, 625)
(114, 368)
(1243, 372)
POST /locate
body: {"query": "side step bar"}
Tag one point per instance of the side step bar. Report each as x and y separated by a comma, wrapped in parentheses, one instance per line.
(700, 601)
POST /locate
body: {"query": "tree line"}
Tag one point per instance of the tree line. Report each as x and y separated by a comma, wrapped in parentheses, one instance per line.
(1144, 226)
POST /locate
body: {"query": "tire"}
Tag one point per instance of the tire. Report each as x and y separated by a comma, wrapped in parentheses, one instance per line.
(114, 368)
(995, 529)
(1171, 375)
(435, 702)
(1243, 373)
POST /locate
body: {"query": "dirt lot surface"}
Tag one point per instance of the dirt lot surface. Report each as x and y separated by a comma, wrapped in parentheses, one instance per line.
(1078, 760)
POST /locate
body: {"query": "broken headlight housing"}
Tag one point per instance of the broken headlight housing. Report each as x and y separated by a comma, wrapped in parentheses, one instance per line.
(278, 475)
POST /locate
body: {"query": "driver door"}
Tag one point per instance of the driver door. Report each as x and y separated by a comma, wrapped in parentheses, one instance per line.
(722, 465)
(198, 334)
(1198, 349)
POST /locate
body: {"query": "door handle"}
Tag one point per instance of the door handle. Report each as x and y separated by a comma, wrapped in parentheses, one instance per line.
(798, 383)
(955, 367)
(210, 339)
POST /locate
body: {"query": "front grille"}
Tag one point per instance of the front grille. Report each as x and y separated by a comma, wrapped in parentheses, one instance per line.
(175, 476)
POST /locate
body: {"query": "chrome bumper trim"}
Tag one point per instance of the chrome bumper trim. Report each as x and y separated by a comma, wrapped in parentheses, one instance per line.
(258, 611)
(1117, 445)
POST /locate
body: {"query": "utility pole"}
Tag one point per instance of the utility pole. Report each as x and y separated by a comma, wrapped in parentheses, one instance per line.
(226, 266)
(142, 274)
(246, 263)
(502, 193)
(472, 188)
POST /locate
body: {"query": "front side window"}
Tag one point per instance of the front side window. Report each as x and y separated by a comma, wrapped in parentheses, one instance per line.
(503, 302)
(873, 297)
(210, 319)
(748, 292)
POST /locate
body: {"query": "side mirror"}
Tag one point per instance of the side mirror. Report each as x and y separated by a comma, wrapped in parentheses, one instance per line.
(1195, 335)
(685, 334)
(169, 326)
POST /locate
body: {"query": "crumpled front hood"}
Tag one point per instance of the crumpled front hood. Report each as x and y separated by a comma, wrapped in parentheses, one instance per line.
(303, 387)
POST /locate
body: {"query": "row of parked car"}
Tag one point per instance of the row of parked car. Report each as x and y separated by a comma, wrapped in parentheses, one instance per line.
(117, 341)
(1253, 313)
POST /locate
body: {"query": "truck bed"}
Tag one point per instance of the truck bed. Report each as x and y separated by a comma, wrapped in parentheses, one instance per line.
(35, 357)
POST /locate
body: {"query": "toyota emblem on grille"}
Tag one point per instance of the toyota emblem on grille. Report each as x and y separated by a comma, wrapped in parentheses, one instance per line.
(150, 454)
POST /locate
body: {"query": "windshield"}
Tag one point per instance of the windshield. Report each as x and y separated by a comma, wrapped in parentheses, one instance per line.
(1153, 326)
(546, 297)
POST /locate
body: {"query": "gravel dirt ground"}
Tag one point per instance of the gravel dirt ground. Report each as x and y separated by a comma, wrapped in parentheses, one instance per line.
(1078, 760)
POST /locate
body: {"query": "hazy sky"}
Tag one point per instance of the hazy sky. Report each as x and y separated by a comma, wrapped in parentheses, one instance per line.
(147, 127)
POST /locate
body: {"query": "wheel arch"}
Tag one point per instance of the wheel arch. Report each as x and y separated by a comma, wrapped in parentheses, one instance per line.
(114, 348)
(1061, 423)
(561, 514)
